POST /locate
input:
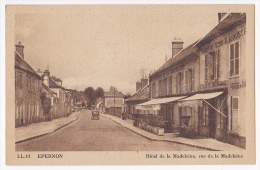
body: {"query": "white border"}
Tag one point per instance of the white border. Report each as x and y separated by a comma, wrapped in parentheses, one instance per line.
(38, 2)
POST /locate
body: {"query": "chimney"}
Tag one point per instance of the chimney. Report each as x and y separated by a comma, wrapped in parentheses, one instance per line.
(39, 72)
(144, 82)
(138, 85)
(46, 78)
(19, 49)
(177, 45)
(221, 15)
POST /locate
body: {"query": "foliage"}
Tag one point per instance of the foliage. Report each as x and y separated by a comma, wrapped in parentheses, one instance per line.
(99, 92)
(92, 95)
(188, 132)
(46, 103)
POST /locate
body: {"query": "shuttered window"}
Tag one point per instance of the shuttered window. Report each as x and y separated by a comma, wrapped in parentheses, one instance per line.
(170, 85)
(233, 119)
(234, 58)
(206, 68)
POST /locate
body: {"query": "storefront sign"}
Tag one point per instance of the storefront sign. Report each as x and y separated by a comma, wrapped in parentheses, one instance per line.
(213, 85)
(221, 84)
(225, 40)
(237, 85)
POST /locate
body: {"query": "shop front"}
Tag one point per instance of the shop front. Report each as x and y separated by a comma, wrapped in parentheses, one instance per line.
(204, 114)
(160, 112)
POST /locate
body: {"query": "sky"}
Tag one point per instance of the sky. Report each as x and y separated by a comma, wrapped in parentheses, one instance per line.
(107, 45)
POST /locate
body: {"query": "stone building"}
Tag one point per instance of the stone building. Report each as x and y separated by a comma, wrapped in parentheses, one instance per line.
(27, 91)
(113, 102)
(142, 95)
(202, 89)
(223, 69)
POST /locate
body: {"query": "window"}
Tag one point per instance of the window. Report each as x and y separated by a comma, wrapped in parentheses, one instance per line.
(234, 58)
(160, 87)
(164, 86)
(33, 84)
(206, 68)
(179, 82)
(21, 81)
(28, 83)
(153, 89)
(205, 115)
(186, 75)
(215, 63)
(189, 80)
(233, 118)
(170, 85)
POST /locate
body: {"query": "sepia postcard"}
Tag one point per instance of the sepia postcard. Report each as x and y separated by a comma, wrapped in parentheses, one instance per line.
(130, 84)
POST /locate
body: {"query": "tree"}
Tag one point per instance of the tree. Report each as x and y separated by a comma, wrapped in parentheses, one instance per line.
(89, 95)
(99, 92)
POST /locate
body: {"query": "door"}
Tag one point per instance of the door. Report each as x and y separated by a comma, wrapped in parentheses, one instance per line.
(212, 121)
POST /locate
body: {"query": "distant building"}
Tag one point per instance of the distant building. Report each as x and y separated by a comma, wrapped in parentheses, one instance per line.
(142, 95)
(113, 102)
(27, 91)
(62, 106)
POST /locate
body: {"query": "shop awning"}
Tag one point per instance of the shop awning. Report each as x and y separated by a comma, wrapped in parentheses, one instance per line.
(161, 100)
(154, 104)
(202, 96)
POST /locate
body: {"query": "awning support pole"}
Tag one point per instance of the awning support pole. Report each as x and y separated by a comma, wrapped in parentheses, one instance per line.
(214, 108)
(222, 102)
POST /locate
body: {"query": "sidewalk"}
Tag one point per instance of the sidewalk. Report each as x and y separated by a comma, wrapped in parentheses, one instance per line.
(208, 143)
(42, 128)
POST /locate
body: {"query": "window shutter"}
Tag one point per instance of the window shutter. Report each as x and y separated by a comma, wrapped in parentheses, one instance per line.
(186, 80)
(177, 83)
(206, 68)
(217, 66)
(192, 80)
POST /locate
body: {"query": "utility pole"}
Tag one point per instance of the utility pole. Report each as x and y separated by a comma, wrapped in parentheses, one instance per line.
(114, 101)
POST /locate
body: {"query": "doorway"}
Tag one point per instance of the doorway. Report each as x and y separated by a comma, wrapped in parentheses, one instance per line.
(212, 120)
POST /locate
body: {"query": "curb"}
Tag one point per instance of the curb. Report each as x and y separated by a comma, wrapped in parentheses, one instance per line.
(37, 136)
(152, 139)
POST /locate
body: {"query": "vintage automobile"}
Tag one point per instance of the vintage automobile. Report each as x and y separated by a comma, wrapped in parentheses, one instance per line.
(95, 114)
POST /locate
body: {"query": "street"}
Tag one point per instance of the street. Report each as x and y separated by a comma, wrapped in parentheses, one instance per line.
(85, 134)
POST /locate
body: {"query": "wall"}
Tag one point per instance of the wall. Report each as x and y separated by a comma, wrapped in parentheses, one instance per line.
(109, 102)
(235, 85)
(27, 100)
(190, 64)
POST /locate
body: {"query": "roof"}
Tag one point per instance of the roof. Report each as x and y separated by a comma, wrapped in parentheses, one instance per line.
(227, 24)
(52, 84)
(47, 89)
(21, 64)
(142, 94)
(179, 57)
(113, 93)
(55, 78)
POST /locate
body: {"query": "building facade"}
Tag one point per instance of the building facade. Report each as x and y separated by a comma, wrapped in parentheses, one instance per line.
(200, 91)
(142, 95)
(223, 68)
(27, 91)
(176, 79)
(113, 102)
